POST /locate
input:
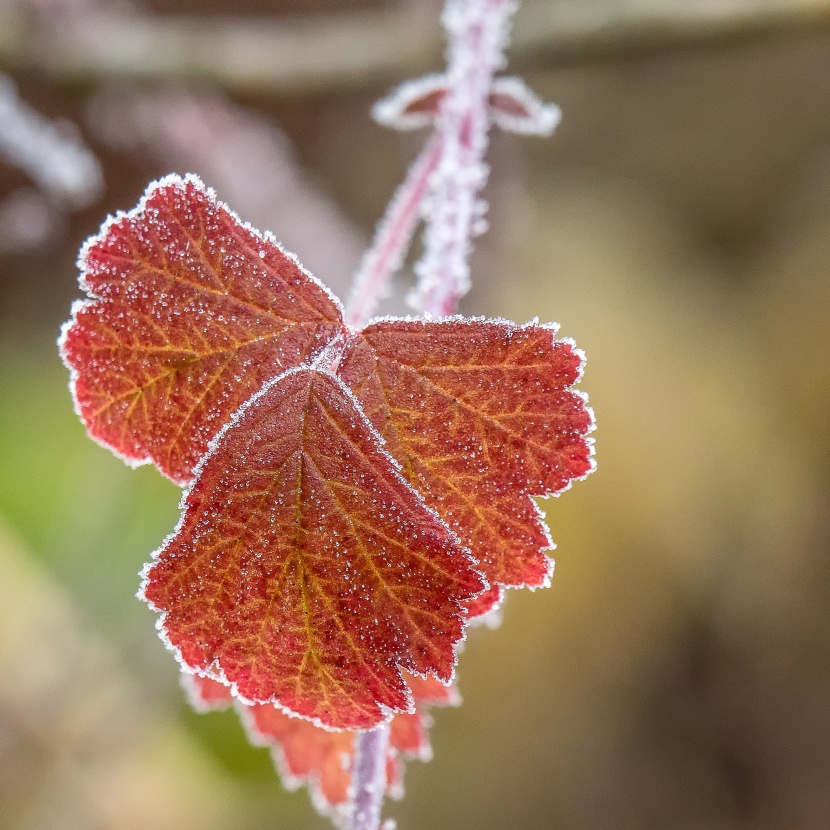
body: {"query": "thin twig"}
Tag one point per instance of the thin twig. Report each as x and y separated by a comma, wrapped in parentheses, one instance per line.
(369, 777)
(392, 239)
(478, 32)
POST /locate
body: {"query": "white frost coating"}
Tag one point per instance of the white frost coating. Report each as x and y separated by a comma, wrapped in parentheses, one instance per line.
(529, 114)
(52, 153)
(369, 777)
(337, 813)
(172, 180)
(512, 106)
(392, 238)
(459, 319)
(392, 110)
(478, 34)
(215, 671)
(194, 696)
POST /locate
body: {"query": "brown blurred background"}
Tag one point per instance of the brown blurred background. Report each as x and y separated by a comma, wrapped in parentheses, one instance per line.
(677, 674)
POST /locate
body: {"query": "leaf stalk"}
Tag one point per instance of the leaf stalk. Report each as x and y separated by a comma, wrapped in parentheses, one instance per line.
(392, 238)
(369, 777)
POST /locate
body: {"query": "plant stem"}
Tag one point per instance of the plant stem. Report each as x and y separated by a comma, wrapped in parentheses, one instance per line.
(369, 777)
(443, 184)
(392, 238)
(478, 33)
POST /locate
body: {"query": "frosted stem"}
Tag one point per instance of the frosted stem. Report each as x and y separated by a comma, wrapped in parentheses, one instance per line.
(478, 33)
(392, 238)
(369, 777)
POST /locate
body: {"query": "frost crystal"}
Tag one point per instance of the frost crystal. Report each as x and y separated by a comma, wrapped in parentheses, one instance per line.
(517, 109)
(478, 34)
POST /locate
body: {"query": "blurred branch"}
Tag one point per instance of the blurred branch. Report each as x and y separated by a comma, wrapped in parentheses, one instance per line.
(571, 28)
(270, 55)
(52, 153)
(303, 55)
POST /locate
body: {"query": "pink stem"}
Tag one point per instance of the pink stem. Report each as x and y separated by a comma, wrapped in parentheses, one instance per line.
(392, 238)
(369, 777)
(478, 32)
(449, 174)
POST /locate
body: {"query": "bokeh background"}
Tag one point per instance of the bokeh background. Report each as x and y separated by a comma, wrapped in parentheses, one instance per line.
(677, 674)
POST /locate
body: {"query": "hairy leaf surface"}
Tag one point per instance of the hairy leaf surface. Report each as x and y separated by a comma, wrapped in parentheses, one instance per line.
(305, 570)
(341, 480)
(480, 415)
(191, 313)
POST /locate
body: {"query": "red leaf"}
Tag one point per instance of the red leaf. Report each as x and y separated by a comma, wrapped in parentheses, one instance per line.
(192, 312)
(304, 569)
(305, 754)
(323, 760)
(204, 693)
(480, 415)
(323, 545)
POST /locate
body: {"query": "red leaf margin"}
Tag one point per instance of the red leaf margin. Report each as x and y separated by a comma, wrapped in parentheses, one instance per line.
(487, 601)
(126, 222)
(408, 742)
(467, 572)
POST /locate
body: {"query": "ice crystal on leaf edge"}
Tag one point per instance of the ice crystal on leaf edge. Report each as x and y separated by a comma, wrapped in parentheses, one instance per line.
(182, 184)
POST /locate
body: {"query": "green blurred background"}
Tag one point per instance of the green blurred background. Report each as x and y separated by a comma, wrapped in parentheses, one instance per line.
(677, 673)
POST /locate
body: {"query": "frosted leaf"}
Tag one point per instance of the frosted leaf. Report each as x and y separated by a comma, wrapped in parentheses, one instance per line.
(341, 599)
(341, 519)
(186, 321)
(480, 414)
